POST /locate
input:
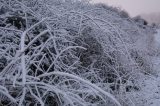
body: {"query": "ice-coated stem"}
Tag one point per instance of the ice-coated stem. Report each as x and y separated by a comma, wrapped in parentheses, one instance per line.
(84, 81)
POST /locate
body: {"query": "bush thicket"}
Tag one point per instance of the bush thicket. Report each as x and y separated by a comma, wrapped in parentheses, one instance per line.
(69, 53)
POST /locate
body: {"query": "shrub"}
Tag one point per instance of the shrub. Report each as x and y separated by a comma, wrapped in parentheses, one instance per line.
(66, 53)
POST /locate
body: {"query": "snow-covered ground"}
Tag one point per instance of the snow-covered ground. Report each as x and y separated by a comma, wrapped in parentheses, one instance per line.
(149, 94)
(157, 37)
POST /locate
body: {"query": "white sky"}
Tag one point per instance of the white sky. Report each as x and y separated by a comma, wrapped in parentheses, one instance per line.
(135, 7)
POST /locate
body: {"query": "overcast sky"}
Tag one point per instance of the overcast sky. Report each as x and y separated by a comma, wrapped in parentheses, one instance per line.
(135, 7)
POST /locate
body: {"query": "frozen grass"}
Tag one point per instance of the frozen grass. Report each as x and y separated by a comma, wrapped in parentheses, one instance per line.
(69, 53)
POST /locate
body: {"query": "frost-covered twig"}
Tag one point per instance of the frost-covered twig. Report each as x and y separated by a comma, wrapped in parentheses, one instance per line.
(84, 81)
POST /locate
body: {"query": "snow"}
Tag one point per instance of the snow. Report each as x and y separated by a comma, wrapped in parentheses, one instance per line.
(149, 95)
(157, 37)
